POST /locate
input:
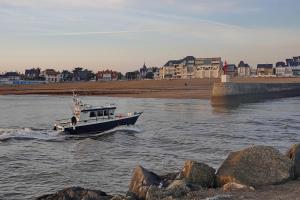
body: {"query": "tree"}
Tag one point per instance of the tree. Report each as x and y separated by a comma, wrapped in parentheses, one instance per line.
(149, 75)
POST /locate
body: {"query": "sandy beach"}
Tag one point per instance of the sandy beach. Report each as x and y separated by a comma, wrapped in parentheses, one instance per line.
(175, 89)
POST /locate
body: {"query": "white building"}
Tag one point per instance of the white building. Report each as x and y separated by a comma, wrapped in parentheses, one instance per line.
(208, 67)
(244, 69)
(284, 71)
(51, 76)
(178, 69)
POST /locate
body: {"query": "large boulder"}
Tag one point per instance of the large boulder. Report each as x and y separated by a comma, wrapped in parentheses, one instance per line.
(195, 173)
(294, 154)
(76, 193)
(255, 166)
(141, 180)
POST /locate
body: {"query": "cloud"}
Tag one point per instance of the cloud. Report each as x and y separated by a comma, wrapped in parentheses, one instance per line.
(100, 33)
(64, 3)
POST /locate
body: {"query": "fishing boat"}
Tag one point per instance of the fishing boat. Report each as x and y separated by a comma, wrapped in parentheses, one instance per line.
(88, 119)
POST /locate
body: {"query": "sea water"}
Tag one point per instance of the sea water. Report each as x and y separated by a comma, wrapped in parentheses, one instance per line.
(35, 160)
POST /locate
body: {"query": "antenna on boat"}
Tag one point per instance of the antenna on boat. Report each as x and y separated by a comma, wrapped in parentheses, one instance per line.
(77, 104)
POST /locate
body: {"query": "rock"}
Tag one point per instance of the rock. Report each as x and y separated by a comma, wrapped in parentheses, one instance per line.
(141, 181)
(198, 173)
(255, 166)
(76, 193)
(294, 154)
(169, 178)
(228, 187)
(220, 197)
(121, 197)
(176, 189)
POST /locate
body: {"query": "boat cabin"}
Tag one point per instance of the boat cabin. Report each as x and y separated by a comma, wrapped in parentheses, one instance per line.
(97, 113)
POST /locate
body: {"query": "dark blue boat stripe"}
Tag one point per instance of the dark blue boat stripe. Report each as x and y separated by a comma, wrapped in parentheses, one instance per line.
(101, 127)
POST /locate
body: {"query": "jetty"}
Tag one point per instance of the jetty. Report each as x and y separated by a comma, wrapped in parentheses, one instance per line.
(227, 92)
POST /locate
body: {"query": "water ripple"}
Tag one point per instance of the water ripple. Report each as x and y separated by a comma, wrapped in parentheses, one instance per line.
(36, 160)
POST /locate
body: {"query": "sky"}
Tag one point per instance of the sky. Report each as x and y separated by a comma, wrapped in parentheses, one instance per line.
(123, 34)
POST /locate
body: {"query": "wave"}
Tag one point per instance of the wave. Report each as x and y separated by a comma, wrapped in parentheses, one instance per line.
(7, 134)
(127, 129)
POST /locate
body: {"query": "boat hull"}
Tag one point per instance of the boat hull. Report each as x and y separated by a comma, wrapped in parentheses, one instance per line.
(96, 128)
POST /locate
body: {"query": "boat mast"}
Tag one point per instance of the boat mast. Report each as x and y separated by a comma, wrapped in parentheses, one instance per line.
(77, 104)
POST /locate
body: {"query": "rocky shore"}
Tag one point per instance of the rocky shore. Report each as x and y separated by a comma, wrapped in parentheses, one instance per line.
(257, 172)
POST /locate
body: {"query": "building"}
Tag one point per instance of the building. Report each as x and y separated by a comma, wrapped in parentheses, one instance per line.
(66, 76)
(107, 75)
(152, 73)
(135, 75)
(9, 78)
(143, 71)
(294, 63)
(167, 71)
(208, 67)
(180, 71)
(265, 70)
(32, 74)
(155, 71)
(51, 76)
(80, 74)
(149, 72)
(282, 70)
(244, 69)
(174, 69)
(232, 70)
(12, 76)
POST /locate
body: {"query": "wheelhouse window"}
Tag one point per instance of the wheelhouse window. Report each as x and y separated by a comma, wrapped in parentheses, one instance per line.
(92, 114)
(100, 113)
(105, 112)
(111, 112)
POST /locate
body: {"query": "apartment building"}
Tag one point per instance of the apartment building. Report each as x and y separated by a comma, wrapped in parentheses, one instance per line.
(208, 67)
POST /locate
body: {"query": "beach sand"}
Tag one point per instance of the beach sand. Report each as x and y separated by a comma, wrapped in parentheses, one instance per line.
(174, 89)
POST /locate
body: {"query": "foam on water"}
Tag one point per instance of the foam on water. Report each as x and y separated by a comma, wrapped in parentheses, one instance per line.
(131, 128)
(7, 134)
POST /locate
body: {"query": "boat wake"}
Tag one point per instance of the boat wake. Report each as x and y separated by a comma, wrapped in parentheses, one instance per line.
(7, 134)
(127, 129)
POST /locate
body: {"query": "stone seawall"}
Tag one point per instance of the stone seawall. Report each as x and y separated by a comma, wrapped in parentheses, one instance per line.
(265, 89)
(233, 94)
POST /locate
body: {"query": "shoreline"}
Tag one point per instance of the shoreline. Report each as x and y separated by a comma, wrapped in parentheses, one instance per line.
(164, 89)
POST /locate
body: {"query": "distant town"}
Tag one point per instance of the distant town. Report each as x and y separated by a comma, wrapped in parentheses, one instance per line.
(185, 68)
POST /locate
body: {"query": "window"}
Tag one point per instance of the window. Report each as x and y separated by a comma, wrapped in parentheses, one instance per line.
(92, 114)
(100, 113)
(105, 112)
(111, 112)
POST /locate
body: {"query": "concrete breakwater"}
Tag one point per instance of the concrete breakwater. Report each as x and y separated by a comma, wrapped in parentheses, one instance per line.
(235, 93)
(251, 173)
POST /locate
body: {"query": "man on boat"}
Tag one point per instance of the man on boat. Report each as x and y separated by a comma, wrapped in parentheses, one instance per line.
(74, 120)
